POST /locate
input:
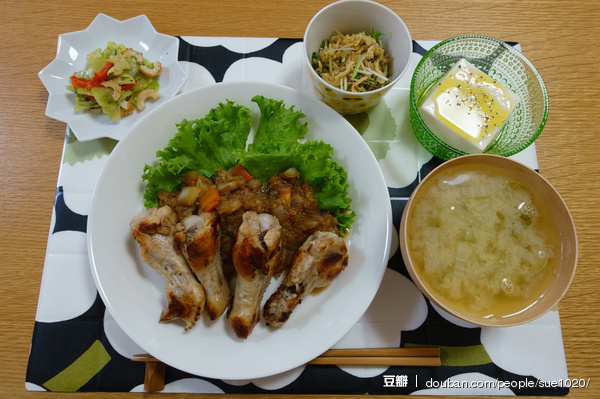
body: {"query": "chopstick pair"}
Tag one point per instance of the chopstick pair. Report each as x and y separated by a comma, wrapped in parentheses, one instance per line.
(420, 357)
(154, 378)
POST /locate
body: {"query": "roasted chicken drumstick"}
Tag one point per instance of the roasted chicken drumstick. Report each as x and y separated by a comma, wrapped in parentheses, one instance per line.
(318, 261)
(255, 256)
(154, 230)
(198, 239)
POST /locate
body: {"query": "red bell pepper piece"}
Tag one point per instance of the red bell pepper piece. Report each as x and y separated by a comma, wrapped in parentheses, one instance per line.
(128, 86)
(79, 82)
(96, 81)
(100, 76)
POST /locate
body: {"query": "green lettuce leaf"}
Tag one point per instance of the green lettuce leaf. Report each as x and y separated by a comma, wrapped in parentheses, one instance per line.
(218, 141)
(276, 148)
(201, 145)
(278, 124)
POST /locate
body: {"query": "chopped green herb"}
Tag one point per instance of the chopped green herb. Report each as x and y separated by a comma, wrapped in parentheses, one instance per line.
(376, 36)
(357, 66)
(315, 59)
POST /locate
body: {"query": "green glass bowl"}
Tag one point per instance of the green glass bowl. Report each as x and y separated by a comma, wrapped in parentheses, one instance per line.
(503, 63)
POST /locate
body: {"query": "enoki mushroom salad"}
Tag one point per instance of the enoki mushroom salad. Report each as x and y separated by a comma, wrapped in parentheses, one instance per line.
(353, 62)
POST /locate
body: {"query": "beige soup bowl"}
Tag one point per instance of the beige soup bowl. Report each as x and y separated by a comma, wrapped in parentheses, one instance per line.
(540, 188)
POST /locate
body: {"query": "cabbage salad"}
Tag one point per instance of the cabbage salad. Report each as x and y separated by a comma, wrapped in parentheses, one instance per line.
(116, 81)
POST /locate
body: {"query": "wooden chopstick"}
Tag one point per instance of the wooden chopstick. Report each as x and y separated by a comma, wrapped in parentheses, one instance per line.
(378, 352)
(145, 357)
(378, 361)
(421, 357)
(154, 377)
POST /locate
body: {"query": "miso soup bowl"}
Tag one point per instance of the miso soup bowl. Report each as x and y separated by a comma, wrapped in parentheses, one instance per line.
(540, 188)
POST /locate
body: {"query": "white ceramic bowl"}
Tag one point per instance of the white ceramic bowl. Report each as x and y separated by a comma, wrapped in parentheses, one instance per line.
(354, 16)
(137, 33)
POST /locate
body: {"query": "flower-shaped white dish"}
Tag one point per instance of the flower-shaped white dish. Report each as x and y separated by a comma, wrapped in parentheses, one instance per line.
(137, 33)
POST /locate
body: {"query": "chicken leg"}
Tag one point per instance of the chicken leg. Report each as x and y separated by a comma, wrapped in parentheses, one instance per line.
(153, 229)
(198, 239)
(318, 261)
(255, 256)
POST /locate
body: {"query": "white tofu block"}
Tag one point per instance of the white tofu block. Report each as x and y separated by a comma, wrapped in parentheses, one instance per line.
(466, 108)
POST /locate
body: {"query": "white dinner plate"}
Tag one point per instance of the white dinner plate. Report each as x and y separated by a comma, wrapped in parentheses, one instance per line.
(134, 293)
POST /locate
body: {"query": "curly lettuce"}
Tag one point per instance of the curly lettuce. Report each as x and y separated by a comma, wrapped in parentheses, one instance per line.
(200, 145)
(219, 141)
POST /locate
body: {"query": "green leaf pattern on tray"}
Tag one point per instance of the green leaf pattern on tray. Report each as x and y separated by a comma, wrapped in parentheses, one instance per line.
(76, 151)
(378, 127)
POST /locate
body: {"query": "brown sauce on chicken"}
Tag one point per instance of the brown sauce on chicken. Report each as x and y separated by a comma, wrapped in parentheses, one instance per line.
(285, 196)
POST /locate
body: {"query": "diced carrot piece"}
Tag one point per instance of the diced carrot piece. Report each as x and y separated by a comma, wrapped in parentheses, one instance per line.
(239, 170)
(210, 199)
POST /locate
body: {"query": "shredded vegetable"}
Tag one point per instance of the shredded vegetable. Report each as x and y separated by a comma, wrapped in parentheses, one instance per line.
(354, 62)
(115, 81)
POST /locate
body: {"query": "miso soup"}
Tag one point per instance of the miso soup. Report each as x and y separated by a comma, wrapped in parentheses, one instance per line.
(482, 243)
